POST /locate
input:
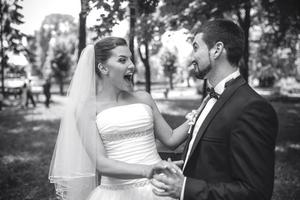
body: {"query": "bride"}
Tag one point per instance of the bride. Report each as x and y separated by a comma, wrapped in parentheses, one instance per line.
(108, 130)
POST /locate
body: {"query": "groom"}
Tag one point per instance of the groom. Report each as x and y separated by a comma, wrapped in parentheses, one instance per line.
(230, 152)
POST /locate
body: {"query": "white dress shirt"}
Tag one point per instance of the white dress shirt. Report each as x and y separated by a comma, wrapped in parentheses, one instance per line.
(220, 87)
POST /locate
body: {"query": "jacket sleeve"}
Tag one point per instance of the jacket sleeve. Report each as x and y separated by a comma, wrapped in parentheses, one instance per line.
(251, 149)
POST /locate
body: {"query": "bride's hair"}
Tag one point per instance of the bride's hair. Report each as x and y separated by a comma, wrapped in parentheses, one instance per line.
(103, 49)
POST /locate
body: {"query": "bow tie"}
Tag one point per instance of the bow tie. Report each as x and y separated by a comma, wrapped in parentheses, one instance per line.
(212, 94)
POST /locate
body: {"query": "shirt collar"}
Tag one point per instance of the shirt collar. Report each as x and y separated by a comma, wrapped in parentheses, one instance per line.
(220, 87)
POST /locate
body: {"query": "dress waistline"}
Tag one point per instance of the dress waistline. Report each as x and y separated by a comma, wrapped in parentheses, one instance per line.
(138, 183)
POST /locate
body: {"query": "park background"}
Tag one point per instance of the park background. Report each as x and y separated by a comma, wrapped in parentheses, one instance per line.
(42, 40)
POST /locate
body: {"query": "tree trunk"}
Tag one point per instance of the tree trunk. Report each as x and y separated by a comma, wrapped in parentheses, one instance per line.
(2, 56)
(82, 27)
(147, 66)
(132, 6)
(61, 86)
(171, 81)
(245, 24)
(2, 69)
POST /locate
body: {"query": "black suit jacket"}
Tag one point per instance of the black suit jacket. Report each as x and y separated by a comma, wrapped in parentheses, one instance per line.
(233, 154)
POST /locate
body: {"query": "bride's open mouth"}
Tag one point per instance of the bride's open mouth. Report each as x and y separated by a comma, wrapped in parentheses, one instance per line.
(129, 77)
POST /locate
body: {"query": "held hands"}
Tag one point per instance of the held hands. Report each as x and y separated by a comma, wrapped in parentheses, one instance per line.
(167, 178)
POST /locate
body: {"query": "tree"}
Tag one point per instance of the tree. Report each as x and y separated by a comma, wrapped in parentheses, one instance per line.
(54, 26)
(147, 27)
(11, 37)
(57, 41)
(281, 16)
(280, 35)
(168, 60)
(32, 55)
(60, 62)
(111, 13)
(190, 14)
(82, 25)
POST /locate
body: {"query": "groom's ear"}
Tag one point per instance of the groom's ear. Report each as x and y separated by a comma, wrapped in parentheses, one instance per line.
(218, 49)
(103, 69)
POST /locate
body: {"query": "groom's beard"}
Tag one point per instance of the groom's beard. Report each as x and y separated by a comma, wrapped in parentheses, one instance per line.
(201, 74)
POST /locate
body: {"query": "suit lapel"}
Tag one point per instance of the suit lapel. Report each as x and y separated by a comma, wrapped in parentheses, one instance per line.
(228, 92)
(203, 103)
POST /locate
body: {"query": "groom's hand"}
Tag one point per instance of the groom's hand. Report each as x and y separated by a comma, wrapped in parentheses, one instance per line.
(169, 182)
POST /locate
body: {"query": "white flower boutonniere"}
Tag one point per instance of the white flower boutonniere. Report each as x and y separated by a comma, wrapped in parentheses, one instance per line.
(191, 117)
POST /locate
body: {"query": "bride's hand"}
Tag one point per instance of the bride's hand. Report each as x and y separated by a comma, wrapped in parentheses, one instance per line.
(150, 170)
(163, 167)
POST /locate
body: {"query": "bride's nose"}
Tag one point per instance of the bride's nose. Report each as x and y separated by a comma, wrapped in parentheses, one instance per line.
(131, 67)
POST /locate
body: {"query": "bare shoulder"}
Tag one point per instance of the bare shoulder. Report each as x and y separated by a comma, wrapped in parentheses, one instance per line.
(143, 97)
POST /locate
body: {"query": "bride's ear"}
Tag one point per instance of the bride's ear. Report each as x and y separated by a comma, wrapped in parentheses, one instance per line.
(103, 70)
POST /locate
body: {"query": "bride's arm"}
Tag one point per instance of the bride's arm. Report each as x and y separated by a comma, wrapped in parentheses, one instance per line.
(170, 138)
(113, 168)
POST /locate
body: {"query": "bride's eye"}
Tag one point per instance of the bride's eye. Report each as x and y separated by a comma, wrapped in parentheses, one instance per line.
(122, 60)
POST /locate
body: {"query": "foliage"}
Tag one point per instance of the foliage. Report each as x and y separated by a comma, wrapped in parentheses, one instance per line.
(284, 19)
(61, 59)
(279, 35)
(54, 26)
(111, 13)
(169, 62)
(10, 17)
(148, 30)
(190, 14)
(279, 22)
(32, 58)
(11, 37)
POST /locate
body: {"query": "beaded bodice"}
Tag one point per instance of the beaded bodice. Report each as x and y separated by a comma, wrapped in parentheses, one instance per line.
(127, 135)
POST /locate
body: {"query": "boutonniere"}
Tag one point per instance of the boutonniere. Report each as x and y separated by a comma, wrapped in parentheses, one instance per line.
(191, 118)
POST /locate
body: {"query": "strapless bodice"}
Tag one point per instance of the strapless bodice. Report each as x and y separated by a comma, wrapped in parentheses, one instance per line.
(127, 135)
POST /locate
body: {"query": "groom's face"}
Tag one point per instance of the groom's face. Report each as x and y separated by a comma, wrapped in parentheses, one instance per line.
(201, 57)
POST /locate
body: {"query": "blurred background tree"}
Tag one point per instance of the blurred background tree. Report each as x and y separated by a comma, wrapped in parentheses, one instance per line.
(279, 20)
(112, 13)
(85, 9)
(60, 63)
(32, 46)
(149, 30)
(55, 27)
(271, 29)
(169, 62)
(11, 37)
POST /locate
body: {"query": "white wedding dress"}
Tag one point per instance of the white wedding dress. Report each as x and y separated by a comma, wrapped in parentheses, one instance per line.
(127, 135)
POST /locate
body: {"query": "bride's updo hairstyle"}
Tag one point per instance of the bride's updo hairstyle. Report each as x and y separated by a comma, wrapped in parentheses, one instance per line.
(103, 50)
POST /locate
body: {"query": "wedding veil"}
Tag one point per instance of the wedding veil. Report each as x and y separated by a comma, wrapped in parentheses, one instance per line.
(73, 164)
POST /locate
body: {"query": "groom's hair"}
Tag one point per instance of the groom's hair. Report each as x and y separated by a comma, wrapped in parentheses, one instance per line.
(228, 32)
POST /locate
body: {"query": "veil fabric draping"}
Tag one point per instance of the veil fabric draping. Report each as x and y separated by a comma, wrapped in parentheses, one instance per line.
(73, 164)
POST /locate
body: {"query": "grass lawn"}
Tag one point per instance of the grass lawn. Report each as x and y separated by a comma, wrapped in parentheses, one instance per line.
(27, 139)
